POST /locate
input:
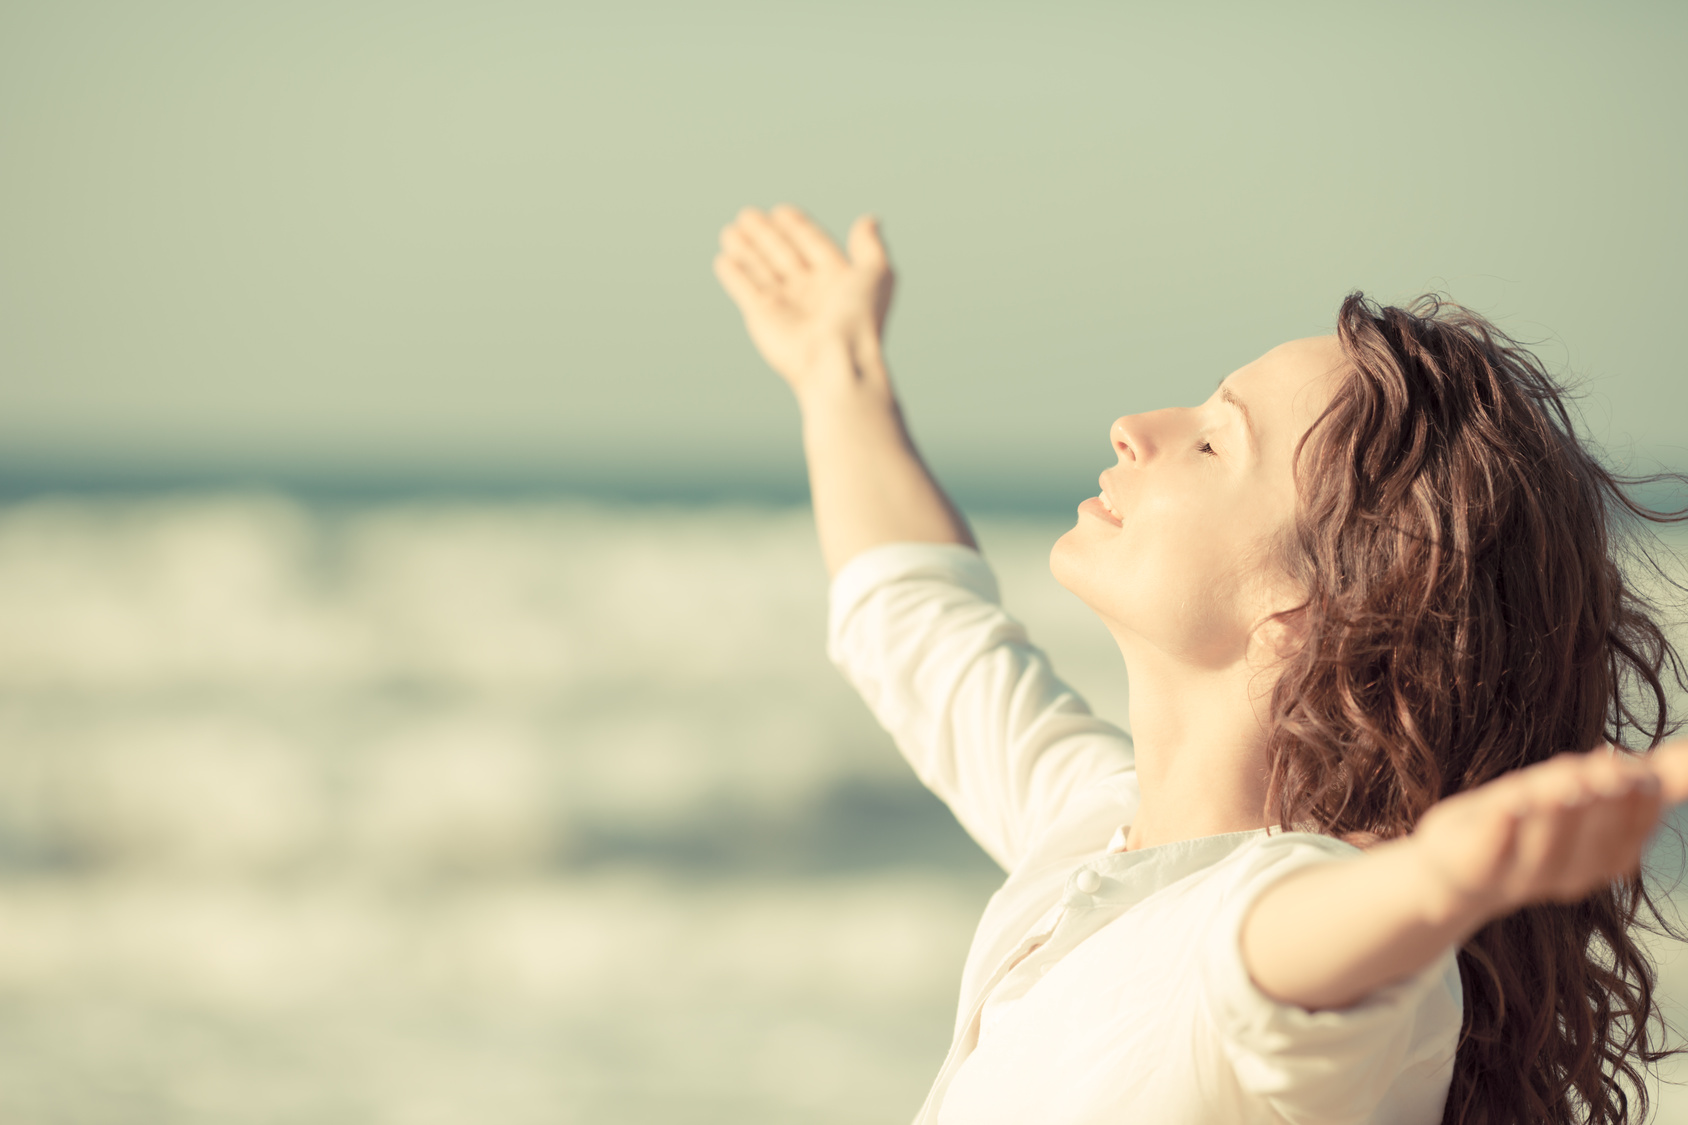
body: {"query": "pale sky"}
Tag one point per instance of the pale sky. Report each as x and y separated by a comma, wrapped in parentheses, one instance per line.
(472, 240)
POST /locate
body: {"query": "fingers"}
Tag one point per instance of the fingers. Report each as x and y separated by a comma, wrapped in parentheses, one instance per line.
(1633, 825)
(1669, 764)
(740, 284)
(811, 242)
(782, 243)
(738, 247)
(771, 242)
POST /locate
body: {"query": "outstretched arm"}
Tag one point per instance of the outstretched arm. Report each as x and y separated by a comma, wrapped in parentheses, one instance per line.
(817, 315)
(1331, 935)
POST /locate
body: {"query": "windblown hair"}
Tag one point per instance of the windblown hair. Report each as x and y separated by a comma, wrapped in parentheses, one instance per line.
(1466, 615)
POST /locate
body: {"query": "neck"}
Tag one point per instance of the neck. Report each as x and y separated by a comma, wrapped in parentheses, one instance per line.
(1201, 747)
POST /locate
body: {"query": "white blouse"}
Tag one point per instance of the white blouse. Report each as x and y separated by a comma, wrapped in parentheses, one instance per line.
(1105, 985)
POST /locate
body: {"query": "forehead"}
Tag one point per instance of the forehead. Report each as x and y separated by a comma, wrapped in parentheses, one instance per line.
(1289, 385)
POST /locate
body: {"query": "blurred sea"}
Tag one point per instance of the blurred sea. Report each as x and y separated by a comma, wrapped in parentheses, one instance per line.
(437, 812)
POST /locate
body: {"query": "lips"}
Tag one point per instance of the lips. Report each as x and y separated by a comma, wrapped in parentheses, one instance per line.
(1103, 497)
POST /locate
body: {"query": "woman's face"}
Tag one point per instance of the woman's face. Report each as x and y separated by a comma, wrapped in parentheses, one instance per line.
(1187, 559)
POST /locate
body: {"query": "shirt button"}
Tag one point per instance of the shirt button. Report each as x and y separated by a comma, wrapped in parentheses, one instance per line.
(1089, 881)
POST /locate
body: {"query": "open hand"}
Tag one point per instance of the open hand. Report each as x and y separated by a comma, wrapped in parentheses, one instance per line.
(1552, 832)
(805, 303)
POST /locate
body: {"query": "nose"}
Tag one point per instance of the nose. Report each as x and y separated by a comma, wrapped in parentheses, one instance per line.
(1133, 437)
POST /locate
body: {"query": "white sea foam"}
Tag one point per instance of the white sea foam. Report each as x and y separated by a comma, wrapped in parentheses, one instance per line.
(452, 811)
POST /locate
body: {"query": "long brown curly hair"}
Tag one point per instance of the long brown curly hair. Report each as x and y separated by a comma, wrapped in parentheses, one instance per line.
(1466, 615)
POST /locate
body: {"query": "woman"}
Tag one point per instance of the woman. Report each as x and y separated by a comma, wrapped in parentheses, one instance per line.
(1368, 855)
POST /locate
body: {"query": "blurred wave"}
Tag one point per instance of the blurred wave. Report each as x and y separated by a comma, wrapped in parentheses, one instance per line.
(437, 811)
(432, 811)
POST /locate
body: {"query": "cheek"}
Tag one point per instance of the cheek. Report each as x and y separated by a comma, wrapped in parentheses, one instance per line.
(1119, 574)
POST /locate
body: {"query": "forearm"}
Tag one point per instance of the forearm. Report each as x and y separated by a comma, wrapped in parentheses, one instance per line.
(1329, 936)
(866, 479)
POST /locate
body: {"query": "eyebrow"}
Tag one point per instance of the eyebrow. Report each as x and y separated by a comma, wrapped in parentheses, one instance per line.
(1226, 396)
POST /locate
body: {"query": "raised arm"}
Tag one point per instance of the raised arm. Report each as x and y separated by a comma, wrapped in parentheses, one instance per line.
(817, 315)
(1331, 935)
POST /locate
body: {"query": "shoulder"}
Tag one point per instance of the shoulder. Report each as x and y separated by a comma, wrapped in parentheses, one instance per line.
(1335, 1064)
(1257, 866)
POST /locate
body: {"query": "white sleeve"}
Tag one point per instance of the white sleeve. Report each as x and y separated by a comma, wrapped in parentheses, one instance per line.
(1387, 1058)
(974, 707)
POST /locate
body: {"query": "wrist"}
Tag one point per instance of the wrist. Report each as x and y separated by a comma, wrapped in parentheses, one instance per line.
(1443, 903)
(850, 370)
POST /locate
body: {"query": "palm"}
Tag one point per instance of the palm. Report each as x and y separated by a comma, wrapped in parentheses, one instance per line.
(802, 298)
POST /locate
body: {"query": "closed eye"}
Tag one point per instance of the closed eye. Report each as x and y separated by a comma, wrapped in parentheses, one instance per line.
(1206, 448)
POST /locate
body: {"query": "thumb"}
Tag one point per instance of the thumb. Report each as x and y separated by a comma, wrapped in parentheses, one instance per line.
(867, 248)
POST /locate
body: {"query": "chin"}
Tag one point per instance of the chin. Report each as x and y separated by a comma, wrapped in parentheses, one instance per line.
(1075, 566)
(1088, 573)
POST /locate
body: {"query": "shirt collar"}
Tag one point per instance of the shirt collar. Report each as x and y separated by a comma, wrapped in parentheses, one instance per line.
(1129, 877)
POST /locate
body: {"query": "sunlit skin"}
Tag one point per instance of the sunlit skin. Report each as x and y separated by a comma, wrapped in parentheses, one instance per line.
(1184, 576)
